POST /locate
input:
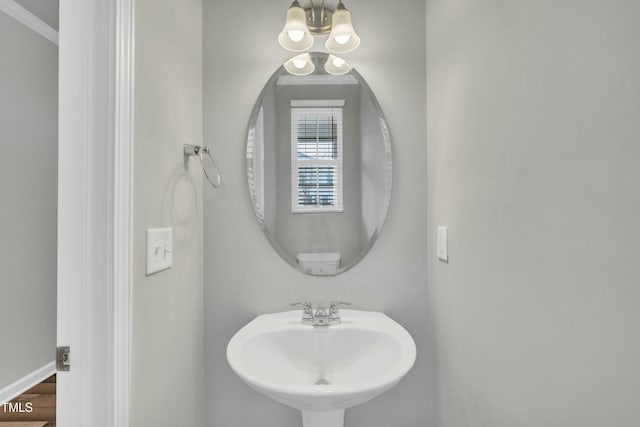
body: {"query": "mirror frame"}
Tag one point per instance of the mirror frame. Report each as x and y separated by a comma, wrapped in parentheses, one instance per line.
(386, 139)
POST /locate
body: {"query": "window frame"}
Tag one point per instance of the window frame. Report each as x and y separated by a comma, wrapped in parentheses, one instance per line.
(298, 108)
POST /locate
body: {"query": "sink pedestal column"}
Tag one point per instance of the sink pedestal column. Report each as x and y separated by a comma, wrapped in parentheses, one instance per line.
(323, 419)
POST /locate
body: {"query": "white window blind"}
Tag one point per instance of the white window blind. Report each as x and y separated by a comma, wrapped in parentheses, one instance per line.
(316, 157)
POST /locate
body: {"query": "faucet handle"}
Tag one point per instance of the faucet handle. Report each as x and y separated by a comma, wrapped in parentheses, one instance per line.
(307, 311)
(336, 304)
(334, 311)
(305, 304)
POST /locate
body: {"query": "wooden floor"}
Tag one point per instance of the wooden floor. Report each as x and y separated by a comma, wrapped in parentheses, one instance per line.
(41, 399)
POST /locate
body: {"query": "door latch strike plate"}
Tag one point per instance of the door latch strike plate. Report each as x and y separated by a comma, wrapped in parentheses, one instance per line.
(63, 360)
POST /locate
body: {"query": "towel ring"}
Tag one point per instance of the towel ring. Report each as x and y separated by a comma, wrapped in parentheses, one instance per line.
(196, 150)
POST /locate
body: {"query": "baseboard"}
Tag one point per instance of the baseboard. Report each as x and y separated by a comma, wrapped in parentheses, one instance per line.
(25, 383)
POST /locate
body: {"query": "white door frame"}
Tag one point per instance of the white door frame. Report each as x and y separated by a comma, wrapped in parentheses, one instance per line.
(94, 210)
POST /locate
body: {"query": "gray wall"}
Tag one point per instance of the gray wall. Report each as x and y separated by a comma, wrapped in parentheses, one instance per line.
(373, 167)
(28, 190)
(167, 383)
(270, 172)
(534, 164)
(245, 277)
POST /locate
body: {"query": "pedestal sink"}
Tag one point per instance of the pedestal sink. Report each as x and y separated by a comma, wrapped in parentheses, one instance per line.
(322, 370)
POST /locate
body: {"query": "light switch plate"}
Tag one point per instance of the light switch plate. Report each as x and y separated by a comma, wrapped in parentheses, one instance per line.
(443, 243)
(159, 249)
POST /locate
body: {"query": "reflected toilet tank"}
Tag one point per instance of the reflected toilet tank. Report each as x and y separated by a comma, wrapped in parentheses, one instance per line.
(319, 262)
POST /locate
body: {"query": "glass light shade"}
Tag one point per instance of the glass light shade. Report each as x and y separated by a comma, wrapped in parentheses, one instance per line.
(295, 35)
(300, 65)
(343, 37)
(336, 66)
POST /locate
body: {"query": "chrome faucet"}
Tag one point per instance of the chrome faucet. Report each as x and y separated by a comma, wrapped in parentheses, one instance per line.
(321, 317)
(307, 312)
(334, 312)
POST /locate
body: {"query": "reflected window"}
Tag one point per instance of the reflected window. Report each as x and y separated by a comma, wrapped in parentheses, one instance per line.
(316, 159)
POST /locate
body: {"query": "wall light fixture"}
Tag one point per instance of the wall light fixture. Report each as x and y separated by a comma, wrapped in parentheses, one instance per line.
(336, 66)
(300, 65)
(301, 23)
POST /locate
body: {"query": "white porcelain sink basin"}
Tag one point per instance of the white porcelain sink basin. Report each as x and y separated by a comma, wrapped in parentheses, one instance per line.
(322, 370)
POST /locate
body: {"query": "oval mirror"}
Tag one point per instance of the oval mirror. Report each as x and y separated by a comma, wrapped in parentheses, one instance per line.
(319, 164)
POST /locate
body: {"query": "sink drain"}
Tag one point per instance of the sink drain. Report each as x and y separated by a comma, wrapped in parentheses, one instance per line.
(322, 381)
